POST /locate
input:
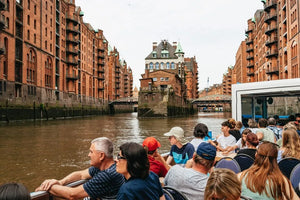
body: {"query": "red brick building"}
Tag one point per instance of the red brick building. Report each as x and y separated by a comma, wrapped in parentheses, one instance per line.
(50, 55)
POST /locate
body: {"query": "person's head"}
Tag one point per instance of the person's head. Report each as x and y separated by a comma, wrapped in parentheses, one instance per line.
(291, 118)
(222, 184)
(244, 136)
(252, 123)
(232, 123)
(132, 161)
(262, 123)
(225, 127)
(176, 135)
(297, 116)
(271, 121)
(200, 130)
(205, 155)
(101, 149)
(238, 125)
(290, 125)
(252, 140)
(12, 191)
(266, 156)
(151, 145)
(290, 143)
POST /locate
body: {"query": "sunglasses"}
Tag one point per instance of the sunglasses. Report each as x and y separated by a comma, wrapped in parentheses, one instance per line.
(119, 157)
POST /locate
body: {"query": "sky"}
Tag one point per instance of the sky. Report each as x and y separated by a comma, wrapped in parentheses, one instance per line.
(209, 30)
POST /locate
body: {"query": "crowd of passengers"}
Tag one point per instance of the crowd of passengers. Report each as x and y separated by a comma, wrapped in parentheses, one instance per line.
(139, 172)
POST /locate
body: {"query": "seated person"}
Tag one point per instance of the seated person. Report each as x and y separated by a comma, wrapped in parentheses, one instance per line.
(158, 164)
(241, 143)
(141, 184)
(251, 142)
(13, 191)
(181, 150)
(200, 131)
(263, 133)
(192, 181)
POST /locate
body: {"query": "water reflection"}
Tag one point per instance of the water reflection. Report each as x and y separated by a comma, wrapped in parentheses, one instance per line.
(32, 152)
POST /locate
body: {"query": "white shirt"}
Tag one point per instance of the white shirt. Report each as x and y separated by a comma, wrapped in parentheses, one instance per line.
(226, 141)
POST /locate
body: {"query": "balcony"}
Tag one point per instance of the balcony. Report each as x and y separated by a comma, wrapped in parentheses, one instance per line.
(72, 61)
(101, 55)
(273, 70)
(73, 19)
(100, 70)
(101, 77)
(249, 49)
(72, 39)
(250, 57)
(72, 30)
(72, 76)
(271, 41)
(101, 49)
(249, 30)
(269, 5)
(250, 73)
(273, 53)
(270, 29)
(3, 22)
(270, 17)
(3, 5)
(100, 88)
(250, 65)
(249, 41)
(71, 50)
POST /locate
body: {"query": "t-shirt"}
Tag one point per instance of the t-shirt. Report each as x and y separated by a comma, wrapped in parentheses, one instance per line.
(104, 184)
(277, 131)
(188, 181)
(182, 155)
(236, 134)
(226, 141)
(268, 134)
(157, 167)
(195, 142)
(141, 189)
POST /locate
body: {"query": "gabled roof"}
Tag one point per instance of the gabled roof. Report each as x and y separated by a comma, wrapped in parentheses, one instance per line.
(163, 47)
(179, 48)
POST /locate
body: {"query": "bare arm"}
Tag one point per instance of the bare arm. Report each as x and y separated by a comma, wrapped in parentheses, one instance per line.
(68, 192)
(159, 158)
(169, 160)
(259, 135)
(162, 197)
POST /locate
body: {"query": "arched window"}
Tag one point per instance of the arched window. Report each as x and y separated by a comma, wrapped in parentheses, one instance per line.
(48, 72)
(172, 65)
(28, 4)
(162, 65)
(31, 67)
(157, 65)
(7, 22)
(151, 65)
(168, 65)
(7, 5)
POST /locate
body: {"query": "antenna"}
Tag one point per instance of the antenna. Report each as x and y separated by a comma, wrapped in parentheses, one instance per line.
(207, 82)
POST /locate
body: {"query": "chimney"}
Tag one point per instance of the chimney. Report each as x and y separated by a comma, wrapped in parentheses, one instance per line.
(154, 45)
(175, 45)
(146, 73)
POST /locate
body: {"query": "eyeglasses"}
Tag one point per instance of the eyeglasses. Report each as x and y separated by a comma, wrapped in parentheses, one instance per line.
(119, 157)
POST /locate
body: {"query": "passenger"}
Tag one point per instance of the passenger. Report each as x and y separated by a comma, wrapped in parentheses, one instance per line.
(104, 181)
(226, 140)
(272, 126)
(222, 184)
(200, 132)
(181, 150)
(233, 130)
(141, 184)
(289, 125)
(192, 181)
(252, 125)
(239, 126)
(251, 143)
(297, 122)
(263, 133)
(241, 143)
(13, 191)
(157, 163)
(290, 144)
(264, 180)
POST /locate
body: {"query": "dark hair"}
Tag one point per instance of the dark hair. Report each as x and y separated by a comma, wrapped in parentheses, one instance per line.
(276, 117)
(263, 123)
(226, 123)
(12, 191)
(291, 118)
(297, 115)
(245, 132)
(200, 130)
(252, 139)
(137, 160)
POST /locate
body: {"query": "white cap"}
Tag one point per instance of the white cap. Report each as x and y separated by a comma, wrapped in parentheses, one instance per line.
(178, 133)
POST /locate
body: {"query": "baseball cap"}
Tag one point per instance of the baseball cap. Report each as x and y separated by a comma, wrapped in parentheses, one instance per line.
(178, 133)
(206, 151)
(151, 143)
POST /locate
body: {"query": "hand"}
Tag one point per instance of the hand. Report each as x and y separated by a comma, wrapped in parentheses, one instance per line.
(47, 184)
(157, 156)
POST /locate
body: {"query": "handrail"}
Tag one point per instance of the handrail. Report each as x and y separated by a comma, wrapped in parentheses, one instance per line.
(39, 194)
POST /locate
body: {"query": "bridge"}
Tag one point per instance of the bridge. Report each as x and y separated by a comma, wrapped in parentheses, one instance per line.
(125, 100)
(213, 103)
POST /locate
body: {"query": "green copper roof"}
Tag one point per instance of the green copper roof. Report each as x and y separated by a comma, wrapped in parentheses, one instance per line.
(179, 49)
(253, 20)
(96, 31)
(116, 54)
(154, 52)
(246, 35)
(81, 13)
(104, 41)
(164, 51)
(264, 1)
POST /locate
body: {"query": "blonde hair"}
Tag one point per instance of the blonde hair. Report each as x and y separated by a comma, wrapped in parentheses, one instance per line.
(290, 143)
(224, 183)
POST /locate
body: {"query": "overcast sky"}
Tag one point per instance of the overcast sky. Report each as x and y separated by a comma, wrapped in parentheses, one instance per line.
(210, 30)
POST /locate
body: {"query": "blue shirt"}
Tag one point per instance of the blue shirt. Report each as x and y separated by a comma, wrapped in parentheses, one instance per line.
(104, 184)
(181, 156)
(141, 189)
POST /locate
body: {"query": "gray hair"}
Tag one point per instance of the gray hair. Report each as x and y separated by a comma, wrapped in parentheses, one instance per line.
(271, 121)
(105, 145)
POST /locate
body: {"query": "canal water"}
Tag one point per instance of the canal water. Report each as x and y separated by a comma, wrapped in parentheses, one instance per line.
(33, 151)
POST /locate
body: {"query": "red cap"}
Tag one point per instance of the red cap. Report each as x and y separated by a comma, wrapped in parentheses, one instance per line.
(151, 143)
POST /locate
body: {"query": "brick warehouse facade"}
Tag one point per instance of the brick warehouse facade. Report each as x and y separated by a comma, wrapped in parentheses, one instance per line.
(50, 55)
(272, 50)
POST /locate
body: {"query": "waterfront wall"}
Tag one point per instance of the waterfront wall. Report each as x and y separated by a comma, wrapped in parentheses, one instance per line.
(163, 103)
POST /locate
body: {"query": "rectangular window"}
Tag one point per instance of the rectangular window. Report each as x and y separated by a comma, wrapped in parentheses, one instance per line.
(154, 79)
(161, 79)
(167, 79)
